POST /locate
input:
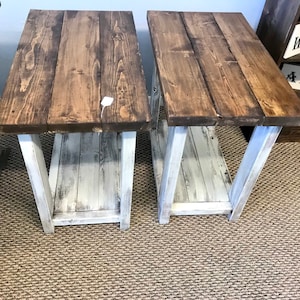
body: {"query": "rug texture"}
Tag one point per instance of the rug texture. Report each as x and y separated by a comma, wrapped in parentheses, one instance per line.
(193, 257)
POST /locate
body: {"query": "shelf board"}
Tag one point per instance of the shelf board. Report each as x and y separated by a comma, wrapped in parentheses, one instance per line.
(84, 178)
(294, 59)
(204, 181)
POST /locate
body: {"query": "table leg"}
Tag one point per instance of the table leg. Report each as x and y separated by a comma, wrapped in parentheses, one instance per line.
(155, 99)
(35, 164)
(175, 145)
(257, 152)
(127, 170)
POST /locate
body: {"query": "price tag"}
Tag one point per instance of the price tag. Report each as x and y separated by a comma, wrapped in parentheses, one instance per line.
(106, 101)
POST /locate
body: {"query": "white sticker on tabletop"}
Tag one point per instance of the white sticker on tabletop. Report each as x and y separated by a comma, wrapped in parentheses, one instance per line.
(106, 101)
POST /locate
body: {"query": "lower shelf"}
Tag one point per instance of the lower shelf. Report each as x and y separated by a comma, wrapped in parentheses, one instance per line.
(204, 181)
(84, 178)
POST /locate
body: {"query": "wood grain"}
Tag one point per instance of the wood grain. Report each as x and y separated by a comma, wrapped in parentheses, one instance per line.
(217, 56)
(232, 96)
(31, 148)
(203, 181)
(185, 93)
(275, 29)
(84, 173)
(76, 90)
(27, 95)
(278, 101)
(66, 62)
(257, 152)
(121, 74)
(67, 177)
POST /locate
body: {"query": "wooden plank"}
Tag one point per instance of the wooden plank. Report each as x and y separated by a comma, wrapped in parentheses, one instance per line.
(27, 93)
(257, 152)
(278, 101)
(127, 171)
(84, 172)
(212, 163)
(54, 165)
(193, 179)
(201, 208)
(109, 172)
(87, 217)
(155, 99)
(232, 96)
(186, 97)
(76, 91)
(67, 181)
(35, 164)
(203, 175)
(289, 134)
(121, 75)
(88, 178)
(62, 61)
(174, 150)
(158, 147)
(203, 181)
(158, 150)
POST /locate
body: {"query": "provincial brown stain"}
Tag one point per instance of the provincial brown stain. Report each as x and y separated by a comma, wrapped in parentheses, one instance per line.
(214, 70)
(66, 62)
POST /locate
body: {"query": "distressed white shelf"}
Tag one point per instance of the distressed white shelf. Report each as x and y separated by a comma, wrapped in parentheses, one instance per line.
(203, 182)
(84, 178)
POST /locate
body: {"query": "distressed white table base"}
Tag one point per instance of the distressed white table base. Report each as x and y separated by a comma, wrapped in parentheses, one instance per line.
(90, 178)
(191, 173)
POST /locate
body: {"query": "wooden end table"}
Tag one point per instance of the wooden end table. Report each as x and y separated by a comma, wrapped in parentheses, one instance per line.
(211, 69)
(65, 64)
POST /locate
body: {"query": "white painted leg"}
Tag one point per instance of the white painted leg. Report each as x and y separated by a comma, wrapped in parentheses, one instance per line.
(172, 160)
(127, 169)
(155, 99)
(257, 152)
(37, 172)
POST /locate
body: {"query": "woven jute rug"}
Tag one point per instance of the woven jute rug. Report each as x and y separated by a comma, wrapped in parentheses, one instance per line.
(193, 257)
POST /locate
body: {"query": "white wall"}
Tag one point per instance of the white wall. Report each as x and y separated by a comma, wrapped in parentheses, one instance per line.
(13, 15)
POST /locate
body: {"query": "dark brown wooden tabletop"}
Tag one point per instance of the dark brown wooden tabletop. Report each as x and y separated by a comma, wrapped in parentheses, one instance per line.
(213, 70)
(66, 62)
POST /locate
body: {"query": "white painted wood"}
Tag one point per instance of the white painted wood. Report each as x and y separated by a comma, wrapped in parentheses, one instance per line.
(213, 166)
(67, 181)
(257, 152)
(88, 178)
(84, 177)
(155, 98)
(174, 150)
(194, 179)
(54, 166)
(90, 161)
(87, 217)
(159, 145)
(109, 172)
(203, 175)
(201, 208)
(127, 172)
(158, 149)
(35, 163)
